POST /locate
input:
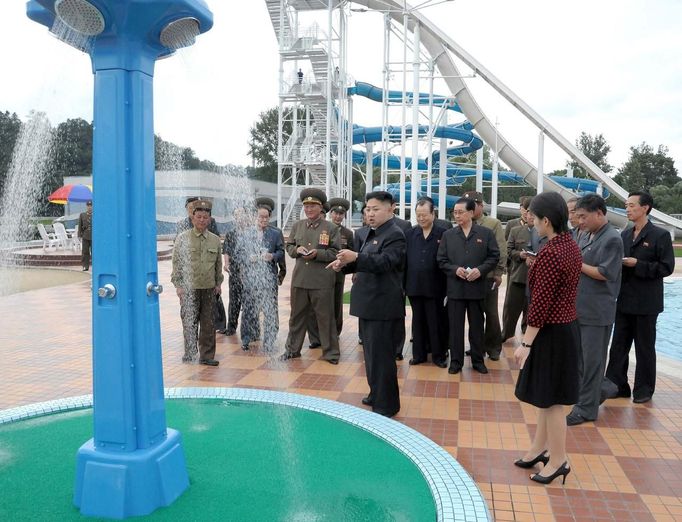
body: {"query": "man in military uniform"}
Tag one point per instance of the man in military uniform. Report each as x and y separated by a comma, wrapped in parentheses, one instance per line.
(85, 235)
(234, 248)
(339, 208)
(313, 243)
(186, 224)
(492, 342)
(197, 275)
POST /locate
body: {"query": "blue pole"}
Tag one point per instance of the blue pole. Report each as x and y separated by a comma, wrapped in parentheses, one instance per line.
(133, 464)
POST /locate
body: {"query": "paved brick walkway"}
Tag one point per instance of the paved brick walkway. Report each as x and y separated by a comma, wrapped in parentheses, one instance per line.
(626, 466)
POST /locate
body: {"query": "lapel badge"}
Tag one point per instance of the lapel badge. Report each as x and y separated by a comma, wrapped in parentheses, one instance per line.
(645, 244)
(479, 241)
(375, 242)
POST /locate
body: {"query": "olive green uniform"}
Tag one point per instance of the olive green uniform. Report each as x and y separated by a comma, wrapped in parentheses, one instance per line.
(312, 285)
(85, 235)
(198, 270)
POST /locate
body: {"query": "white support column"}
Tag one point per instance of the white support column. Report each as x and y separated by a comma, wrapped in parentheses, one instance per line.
(369, 168)
(384, 103)
(541, 160)
(600, 189)
(569, 171)
(429, 143)
(280, 114)
(415, 177)
(495, 183)
(442, 173)
(328, 90)
(403, 123)
(479, 170)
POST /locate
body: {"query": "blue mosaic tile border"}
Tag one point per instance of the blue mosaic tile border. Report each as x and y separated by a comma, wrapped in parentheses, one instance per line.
(455, 493)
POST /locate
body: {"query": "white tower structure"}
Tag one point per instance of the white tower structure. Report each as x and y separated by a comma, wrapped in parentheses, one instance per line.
(314, 120)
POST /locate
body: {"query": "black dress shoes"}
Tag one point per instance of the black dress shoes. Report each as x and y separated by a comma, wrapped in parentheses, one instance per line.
(367, 401)
(494, 356)
(286, 356)
(230, 331)
(574, 419)
(414, 362)
(187, 359)
(209, 362)
(245, 347)
(332, 361)
(312, 346)
(480, 367)
(441, 364)
(399, 357)
(454, 368)
(641, 400)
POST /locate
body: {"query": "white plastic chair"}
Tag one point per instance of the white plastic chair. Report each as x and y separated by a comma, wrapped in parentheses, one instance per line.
(49, 240)
(63, 238)
(75, 240)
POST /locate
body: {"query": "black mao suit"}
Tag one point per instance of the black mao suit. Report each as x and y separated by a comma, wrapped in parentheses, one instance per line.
(405, 226)
(477, 250)
(378, 301)
(639, 303)
(425, 286)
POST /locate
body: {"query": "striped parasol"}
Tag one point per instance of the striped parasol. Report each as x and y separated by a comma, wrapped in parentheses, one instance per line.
(71, 193)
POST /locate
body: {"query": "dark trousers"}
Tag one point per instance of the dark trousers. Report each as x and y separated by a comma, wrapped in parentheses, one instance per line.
(399, 337)
(473, 310)
(492, 341)
(642, 330)
(338, 304)
(86, 252)
(426, 330)
(196, 312)
(236, 290)
(515, 305)
(379, 340)
(257, 300)
(313, 330)
(303, 300)
(594, 345)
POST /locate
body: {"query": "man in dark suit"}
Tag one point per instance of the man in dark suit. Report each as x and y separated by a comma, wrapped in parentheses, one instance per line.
(466, 255)
(648, 258)
(377, 298)
(405, 226)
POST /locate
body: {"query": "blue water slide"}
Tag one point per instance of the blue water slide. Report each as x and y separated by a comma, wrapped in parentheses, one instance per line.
(462, 132)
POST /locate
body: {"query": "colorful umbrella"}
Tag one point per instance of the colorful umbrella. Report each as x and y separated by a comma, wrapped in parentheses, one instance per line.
(71, 193)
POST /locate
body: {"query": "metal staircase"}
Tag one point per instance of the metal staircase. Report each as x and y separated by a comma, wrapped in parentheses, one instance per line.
(308, 156)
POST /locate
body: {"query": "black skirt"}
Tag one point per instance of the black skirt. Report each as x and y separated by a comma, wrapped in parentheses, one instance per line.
(550, 374)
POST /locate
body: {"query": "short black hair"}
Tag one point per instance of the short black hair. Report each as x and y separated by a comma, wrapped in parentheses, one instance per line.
(552, 206)
(381, 195)
(266, 207)
(469, 202)
(591, 203)
(524, 201)
(644, 199)
(425, 200)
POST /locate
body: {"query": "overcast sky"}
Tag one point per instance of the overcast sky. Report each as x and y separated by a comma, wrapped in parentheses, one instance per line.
(607, 66)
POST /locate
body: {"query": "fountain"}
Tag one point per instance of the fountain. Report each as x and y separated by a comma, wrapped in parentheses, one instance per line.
(134, 463)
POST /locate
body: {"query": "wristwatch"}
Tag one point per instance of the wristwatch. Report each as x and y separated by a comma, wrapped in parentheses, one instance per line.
(527, 345)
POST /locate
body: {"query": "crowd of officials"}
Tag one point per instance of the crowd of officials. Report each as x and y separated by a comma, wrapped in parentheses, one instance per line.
(577, 283)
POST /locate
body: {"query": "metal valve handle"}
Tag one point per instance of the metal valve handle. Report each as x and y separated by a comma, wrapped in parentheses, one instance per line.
(151, 287)
(108, 291)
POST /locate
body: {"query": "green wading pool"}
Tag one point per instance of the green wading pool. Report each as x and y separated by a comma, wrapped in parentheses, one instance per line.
(250, 459)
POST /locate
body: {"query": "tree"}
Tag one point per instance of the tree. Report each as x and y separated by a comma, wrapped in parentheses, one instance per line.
(668, 199)
(10, 125)
(646, 169)
(596, 148)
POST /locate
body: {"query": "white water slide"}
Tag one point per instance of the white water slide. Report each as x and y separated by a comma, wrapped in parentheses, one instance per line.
(439, 46)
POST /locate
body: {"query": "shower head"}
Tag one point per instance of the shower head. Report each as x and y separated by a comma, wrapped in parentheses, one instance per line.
(81, 16)
(180, 33)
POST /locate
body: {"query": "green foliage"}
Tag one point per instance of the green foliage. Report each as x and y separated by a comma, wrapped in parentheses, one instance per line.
(10, 125)
(646, 169)
(668, 199)
(596, 148)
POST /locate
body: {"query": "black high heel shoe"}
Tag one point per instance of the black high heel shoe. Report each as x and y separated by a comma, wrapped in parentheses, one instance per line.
(526, 464)
(562, 471)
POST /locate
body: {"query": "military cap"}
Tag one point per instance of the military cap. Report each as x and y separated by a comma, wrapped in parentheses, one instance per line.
(191, 199)
(313, 195)
(472, 194)
(326, 207)
(202, 205)
(266, 202)
(340, 205)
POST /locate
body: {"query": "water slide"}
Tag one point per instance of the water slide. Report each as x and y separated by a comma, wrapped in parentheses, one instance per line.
(441, 47)
(461, 132)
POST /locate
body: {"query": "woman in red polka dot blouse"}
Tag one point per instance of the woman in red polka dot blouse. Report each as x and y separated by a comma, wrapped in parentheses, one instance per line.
(548, 355)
